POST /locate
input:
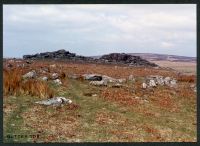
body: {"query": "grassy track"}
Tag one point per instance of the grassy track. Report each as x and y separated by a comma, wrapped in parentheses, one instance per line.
(93, 119)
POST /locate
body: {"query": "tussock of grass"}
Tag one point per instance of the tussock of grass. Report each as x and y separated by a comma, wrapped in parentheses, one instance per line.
(13, 84)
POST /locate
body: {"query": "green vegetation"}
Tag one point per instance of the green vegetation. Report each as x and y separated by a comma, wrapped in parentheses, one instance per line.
(96, 119)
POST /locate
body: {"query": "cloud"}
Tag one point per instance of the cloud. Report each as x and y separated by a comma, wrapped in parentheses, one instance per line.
(167, 45)
(100, 29)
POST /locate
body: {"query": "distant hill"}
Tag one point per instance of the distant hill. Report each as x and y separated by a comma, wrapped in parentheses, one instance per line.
(164, 57)
(160, 57)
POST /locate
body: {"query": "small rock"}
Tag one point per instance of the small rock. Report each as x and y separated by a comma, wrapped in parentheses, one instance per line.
(55, 76)
(92, 77)
(31, 74)
(137, 97)
(45, 78)
(117, 85)
(167, 80)
(56, 101)
(57, 81)
(121, 80)
(144, 85)
(131, 78)
(173, 83)
(152, 83)
(94, 95)
(98, 83)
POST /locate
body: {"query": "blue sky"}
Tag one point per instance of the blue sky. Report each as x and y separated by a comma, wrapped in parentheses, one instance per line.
(99, 29)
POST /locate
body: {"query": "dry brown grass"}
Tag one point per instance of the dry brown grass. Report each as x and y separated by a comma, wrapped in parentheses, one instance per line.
(120, 96)
(187, 78)
(13, 84)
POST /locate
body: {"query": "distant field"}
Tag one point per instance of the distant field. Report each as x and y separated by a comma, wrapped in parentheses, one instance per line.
(186, 67)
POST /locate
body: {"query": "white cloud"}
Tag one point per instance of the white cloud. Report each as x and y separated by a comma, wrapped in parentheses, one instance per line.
(147, 27)
(167, 45)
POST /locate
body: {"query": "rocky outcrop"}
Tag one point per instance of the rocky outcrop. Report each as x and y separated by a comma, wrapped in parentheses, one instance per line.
(60, 54)
(113, 58)
(155, 80)
(126, 59)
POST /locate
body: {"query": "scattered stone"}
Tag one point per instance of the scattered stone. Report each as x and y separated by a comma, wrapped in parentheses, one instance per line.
(173, 83)
(167, 80)
(144, 85)
(31, 74)
(109, 79)
(137, 97)
(117, 85)
(94, 95)
(92, 77)
(45, 78)
(152, 83)
(160, 81)
(98, 83)
(55, 76)
(56, 101)
(58, 82)
(131, 78)
(121, 80)
(195, 89)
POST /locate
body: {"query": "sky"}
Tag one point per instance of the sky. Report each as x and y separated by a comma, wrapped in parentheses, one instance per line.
(99, 29)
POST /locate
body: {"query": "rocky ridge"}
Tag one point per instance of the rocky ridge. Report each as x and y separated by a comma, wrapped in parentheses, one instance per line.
(113, 58)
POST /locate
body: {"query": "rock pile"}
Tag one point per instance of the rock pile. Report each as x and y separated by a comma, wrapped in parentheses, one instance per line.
(60, 54)
(123, 58)
(155, 80)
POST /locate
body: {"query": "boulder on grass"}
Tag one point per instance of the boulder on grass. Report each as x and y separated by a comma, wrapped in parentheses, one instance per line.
(29, 75)
(56, 101)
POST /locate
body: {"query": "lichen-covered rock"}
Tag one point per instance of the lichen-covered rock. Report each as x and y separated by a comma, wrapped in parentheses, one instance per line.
(92, 77)
(131, 78)
(99, 83)
(55, 76)
(167, 80)
(109, 79)
(44, 78)
(152, 83)
(173, 83)
(144, 85)
(121, 80)
(56, 101)
(31, 74)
